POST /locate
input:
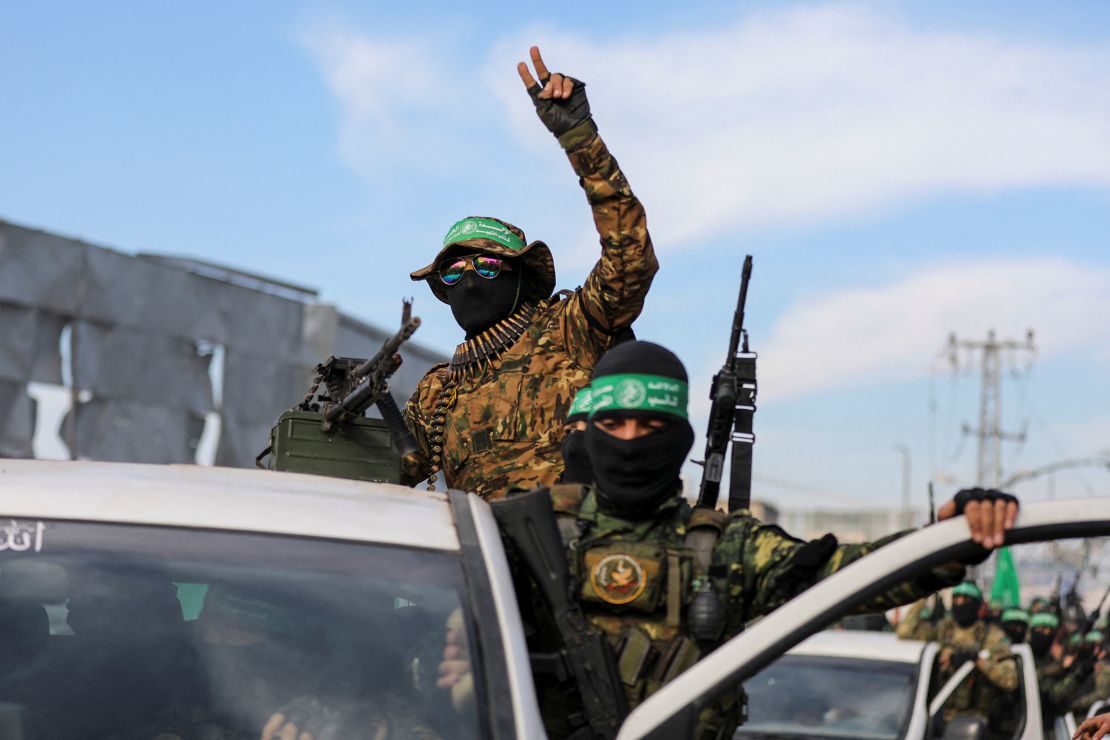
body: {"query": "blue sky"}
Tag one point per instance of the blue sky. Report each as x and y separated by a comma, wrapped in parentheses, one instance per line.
(899, 171)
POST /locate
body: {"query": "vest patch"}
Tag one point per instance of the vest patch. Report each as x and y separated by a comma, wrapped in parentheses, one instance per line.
(618, 578)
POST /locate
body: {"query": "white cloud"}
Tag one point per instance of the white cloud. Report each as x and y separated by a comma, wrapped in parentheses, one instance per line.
(863, 335)
(804, 115)
(382, 86)
(785, 116)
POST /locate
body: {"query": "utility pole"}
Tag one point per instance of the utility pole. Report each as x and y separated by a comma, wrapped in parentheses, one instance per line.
(989, 432)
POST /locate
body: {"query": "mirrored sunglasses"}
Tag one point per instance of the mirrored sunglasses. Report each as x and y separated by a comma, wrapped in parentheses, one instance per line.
(486, 265)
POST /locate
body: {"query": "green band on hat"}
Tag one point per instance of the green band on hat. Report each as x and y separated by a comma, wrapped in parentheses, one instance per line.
(476, 227)
(635, 392)
(1044, 619)
(581, 404)
(967, 588)
(1093, 636)
(1015, 615)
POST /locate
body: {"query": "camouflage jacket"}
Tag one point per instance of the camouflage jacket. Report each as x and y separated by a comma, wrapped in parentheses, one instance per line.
(1058, 686)
(504, 420)
(637, 577)
(1095, 687)
(915, 625)
(979, 693)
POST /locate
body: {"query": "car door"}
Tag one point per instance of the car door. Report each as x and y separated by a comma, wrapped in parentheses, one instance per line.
(673, 710)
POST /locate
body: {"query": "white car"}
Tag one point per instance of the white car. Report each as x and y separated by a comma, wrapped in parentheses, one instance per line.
(139, 600)
(846, 684)
(868, 685)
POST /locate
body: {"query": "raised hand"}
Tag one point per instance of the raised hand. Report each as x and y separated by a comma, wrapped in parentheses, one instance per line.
(560, 100)
(989, 514)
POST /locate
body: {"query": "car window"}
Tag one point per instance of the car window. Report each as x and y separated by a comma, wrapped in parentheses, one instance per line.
(130, 631)
(810, 696)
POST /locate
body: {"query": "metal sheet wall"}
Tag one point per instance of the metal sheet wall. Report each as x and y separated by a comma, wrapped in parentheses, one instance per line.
(142, 335)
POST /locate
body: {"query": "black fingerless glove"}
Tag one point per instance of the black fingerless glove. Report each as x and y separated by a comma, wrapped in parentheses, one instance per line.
(966, 496)
(562, 115)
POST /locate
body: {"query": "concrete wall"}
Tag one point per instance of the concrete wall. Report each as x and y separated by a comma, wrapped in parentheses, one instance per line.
(160, 357)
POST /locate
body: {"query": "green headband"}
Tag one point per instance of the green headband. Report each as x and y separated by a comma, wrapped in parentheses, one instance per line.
(635, 392)
(967, 588)
(483, 228)
(581, 404)
(1015, 615)
(1044, 619)
(1093, 636)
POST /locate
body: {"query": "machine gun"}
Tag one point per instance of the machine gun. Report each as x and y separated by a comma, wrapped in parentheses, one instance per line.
(327, 432)
(731, 414)
(1093, 618)
(584, 657)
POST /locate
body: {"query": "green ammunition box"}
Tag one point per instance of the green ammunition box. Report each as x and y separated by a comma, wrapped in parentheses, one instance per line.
(361, 449)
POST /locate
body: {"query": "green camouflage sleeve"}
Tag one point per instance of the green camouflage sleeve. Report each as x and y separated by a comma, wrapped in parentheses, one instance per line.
(1058, 685)
(767, 567)
(913, 626)
(613, 294)
(998, 666)
(1098, 691)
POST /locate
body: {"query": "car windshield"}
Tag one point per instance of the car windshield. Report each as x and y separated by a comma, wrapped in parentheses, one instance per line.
(808, 696)
(152, 632)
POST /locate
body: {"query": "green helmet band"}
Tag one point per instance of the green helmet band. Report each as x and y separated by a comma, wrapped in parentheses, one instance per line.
(581, 404)
(1044, 619)
(635, 392)
(477, 227)
(968, 589)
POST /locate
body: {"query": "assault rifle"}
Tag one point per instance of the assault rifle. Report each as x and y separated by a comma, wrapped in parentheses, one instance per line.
(367, 384)
(1092, 619)
(1055, 597)
(527, 523)
(327, 432)
(731, 414)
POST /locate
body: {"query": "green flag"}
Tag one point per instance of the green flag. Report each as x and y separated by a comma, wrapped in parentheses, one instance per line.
(1005, 590)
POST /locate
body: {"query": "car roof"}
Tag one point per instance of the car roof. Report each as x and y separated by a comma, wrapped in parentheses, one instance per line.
(226, 498)
(860, 644)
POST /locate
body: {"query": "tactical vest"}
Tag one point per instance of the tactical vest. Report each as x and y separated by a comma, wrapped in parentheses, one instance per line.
(637, 590)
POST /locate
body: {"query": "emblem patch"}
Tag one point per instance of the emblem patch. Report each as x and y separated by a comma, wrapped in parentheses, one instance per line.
(630, 393)
(618, 579)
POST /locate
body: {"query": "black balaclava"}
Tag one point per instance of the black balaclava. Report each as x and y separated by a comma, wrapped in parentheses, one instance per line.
(1015, 631)
(633, 477)
(575, 459)
(1040, 641)
(478, 303)
(966, 612)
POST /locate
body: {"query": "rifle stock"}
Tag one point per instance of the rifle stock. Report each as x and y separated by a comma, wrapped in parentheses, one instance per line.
(527, 522)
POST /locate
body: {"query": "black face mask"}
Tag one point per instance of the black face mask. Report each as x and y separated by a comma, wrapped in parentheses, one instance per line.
(634, 476)
(576, 460)
(966, 613)
(1040, 642)
(478, 303)
(1016, 632)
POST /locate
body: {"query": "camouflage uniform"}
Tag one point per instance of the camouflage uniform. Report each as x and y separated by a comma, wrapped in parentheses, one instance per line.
(916, 624)
(1095, 687)
(501, 425)
(637, 577)
(1058, 686)
(980, 693)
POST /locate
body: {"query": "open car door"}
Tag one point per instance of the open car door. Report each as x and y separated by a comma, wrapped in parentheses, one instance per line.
(673, 710)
